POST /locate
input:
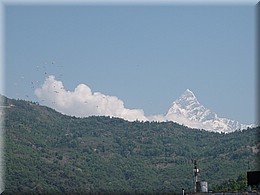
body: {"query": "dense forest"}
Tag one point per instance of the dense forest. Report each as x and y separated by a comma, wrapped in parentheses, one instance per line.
(47, 152)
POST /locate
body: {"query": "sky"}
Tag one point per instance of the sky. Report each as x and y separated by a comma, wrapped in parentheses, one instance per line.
(132, 60)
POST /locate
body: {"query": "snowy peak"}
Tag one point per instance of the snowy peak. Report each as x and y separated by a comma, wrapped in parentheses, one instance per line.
(188, 111)
(188, 94)
(189, 107)
(186, 99)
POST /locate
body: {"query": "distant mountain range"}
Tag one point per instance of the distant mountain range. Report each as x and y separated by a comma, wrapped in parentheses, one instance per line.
(185, 110)
(188, 111)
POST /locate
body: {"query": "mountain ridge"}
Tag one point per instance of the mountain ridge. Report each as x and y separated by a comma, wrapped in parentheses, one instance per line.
(185, 110)
(188, 110)
(48, 152)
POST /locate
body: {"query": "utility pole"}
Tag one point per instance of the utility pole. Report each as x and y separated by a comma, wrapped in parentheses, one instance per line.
(195, 171)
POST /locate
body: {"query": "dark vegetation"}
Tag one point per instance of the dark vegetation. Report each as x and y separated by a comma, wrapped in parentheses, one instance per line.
(47, 152)
(233, 185)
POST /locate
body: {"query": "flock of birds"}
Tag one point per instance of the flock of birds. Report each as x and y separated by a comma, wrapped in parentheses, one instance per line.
(43, 70)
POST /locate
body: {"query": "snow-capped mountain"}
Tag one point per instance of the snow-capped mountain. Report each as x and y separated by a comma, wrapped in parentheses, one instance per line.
(188, 111)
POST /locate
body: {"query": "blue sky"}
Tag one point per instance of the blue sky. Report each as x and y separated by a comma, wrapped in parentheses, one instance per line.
(147, 56)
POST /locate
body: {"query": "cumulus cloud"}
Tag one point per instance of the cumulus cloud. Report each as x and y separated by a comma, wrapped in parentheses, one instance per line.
(83, 102)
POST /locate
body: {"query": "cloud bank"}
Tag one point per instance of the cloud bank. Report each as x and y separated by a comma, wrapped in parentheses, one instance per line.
(82, 102)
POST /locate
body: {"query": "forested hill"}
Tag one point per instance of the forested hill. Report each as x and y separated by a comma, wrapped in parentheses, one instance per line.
(47, 152)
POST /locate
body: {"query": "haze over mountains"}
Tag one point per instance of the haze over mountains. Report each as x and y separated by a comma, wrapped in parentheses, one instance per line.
(82, 102)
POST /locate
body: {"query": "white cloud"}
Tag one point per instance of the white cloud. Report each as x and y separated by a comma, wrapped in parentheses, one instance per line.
(83, 102)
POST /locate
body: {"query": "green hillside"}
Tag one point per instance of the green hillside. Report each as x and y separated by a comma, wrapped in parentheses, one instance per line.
(47, 152)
